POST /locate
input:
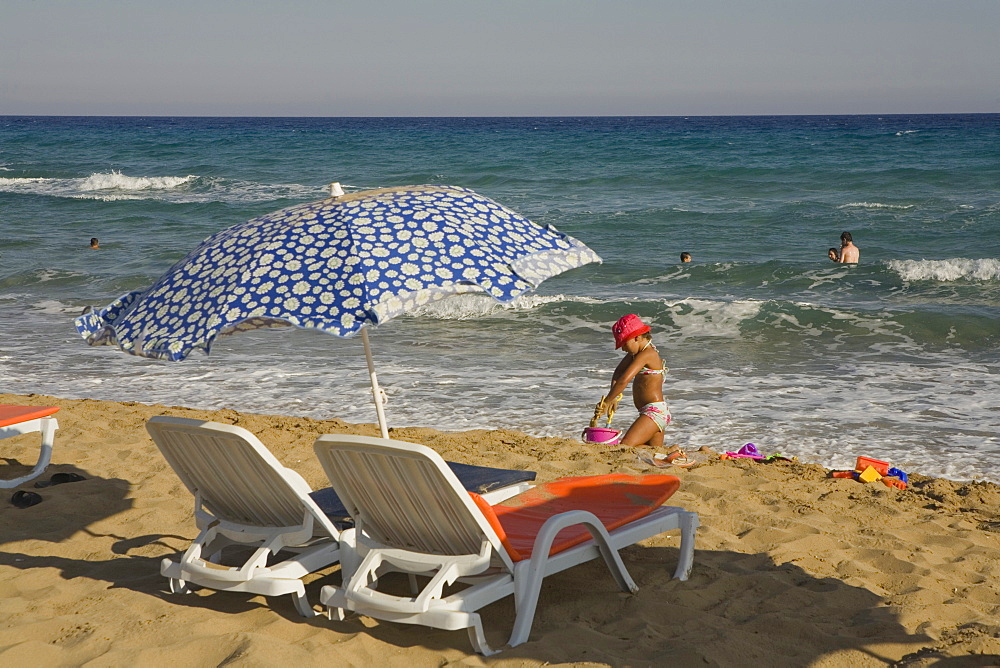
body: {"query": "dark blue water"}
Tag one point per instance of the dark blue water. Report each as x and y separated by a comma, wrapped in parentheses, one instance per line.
(766, 339)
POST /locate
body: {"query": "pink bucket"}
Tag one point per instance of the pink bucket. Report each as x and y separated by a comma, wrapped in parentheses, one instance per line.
(602, 435)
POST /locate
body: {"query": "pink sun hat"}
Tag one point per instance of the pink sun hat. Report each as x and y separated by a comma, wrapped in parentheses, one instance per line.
(627, 327)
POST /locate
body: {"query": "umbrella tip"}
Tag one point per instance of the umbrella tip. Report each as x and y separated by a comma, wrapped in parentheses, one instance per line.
(335, 189)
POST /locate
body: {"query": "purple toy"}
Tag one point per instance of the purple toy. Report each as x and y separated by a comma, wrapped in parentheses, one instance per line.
(749, 451)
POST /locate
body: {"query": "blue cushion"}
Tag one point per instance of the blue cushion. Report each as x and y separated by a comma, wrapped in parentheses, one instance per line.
(479, 479)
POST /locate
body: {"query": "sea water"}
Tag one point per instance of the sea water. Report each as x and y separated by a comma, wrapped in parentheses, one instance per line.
(766, 340)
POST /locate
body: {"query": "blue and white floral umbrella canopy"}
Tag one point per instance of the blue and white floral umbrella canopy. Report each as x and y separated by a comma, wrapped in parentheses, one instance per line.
(336, 265)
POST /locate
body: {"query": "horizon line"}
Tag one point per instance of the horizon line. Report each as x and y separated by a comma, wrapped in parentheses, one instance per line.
(470, 116)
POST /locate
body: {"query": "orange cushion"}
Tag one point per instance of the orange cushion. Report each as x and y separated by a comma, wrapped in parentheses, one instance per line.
(616, 499)
(17, 414)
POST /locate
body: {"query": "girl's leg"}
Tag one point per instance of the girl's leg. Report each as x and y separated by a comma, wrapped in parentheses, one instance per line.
(643, 432)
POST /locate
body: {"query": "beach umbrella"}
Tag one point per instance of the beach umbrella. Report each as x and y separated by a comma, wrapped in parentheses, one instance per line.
(339, 265)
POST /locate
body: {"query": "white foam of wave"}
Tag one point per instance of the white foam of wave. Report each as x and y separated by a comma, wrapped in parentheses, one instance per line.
(115, 186)
(700, 317)
(906, 132)
(933, 414)
(8, 184)
(875, 205)
(46, 275)
(672, 274)
(470, 306)
(829, 276)
(117, 181)
(955, 269)
(252, 191)
(102, 186)
(56, 307)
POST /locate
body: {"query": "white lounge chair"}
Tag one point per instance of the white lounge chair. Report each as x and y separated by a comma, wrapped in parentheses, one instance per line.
(18, 420)
(245, 499)
(412, 516)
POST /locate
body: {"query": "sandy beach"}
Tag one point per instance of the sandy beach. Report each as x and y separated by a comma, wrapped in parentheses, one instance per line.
(792, 568)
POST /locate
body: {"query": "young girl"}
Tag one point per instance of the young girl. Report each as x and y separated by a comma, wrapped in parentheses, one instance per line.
(643, 364)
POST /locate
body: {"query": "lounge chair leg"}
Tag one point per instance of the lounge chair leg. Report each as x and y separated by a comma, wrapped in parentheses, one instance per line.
(528, 577)
(478, 638)
(617, 567)
(685, 562)
(349, 557)
(179, 586)
(302, 605)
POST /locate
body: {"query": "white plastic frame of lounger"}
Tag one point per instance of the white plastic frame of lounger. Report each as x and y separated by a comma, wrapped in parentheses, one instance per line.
(243, 496)
(413, 516)
(47, 426)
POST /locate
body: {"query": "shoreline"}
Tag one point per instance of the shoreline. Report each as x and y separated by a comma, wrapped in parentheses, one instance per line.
(834, 572)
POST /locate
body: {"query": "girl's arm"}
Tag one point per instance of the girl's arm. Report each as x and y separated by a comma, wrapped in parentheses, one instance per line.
(623, 375)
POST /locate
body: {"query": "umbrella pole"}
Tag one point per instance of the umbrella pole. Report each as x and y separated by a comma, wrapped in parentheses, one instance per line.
(376, 392)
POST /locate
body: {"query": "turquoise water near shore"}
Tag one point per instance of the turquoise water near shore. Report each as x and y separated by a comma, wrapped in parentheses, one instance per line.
(766, 340)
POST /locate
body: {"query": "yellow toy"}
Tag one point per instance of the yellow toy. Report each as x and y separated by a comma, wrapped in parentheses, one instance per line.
(869, 475)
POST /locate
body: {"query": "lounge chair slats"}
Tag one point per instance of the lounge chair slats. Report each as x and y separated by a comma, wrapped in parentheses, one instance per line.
(398, 502)
(237, 482)
(246, 500)
(484, 480)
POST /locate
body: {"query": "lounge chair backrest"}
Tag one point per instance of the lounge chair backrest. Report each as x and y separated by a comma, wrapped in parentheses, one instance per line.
(236, 478)
(404, 496)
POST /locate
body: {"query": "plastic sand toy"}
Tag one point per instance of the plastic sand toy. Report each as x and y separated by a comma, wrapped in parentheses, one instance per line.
(602, 435)
(867, 469)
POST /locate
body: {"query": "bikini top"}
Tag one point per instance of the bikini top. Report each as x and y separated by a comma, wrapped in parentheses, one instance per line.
(648, 371)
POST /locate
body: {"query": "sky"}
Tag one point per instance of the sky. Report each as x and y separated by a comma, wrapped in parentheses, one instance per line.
(498, 58)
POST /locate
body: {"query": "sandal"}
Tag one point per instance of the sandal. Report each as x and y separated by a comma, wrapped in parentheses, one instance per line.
(680, 458)
(25, 499)
(657, 460)
(59, 478)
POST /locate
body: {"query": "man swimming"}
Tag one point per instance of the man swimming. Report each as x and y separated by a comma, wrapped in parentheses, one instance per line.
(849, 253)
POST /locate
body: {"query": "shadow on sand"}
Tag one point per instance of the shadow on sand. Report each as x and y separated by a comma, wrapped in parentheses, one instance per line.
(64, 509)
(737, 609)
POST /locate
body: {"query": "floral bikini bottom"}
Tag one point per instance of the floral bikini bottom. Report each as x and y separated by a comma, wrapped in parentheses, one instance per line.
(658, 413)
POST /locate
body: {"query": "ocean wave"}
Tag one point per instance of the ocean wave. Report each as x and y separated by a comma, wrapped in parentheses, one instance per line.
(955, 269)
(6, 183)
(38, 275)
(703, 317)
(54, 306)
(115, 186)
(470, 306)
(117, 181)
(875, 205)
(793, 323)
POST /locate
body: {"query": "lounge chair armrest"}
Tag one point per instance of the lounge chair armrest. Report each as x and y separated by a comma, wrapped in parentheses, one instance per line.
(446, 570)
(547, 534)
